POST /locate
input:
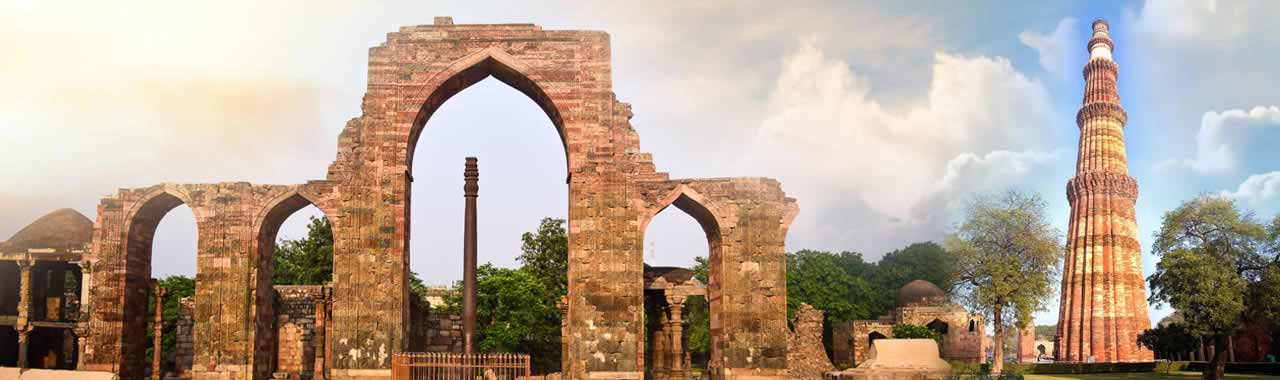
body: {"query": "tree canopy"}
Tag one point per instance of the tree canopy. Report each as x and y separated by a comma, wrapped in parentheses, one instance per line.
(1007, 254)
(1218, 267)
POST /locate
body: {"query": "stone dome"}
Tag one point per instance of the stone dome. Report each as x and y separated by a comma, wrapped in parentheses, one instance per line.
(61, 229)
(921, 292)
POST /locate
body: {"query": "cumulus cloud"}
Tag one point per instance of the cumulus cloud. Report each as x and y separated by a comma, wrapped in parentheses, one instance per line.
(1230, 138)
(1257, 190)
(1054, 46)
(981, 128)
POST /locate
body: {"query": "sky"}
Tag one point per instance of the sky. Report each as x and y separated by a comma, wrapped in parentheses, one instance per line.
(881, 118)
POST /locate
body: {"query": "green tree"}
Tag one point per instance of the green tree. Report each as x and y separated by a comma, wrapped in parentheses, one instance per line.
(515, 314)
(1218, 266)
(546, 254)
(176, 288)
(919, 261)
(816, 278)
(1006, 254)
(306, 261)
(700, 312)
(910, 331)
(1168, 340)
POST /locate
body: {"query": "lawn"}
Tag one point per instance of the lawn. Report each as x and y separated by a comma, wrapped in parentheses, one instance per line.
(1176, 375)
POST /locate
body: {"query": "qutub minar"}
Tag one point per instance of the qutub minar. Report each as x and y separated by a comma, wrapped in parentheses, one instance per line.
(1104, 298)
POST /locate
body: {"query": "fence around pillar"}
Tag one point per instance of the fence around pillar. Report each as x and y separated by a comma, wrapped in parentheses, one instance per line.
(452, 366)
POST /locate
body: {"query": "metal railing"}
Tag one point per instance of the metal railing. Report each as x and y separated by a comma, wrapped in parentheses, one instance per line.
(450, 366)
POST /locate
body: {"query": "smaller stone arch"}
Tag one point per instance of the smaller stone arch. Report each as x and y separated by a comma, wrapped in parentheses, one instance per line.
(267, 225)
(874, 336)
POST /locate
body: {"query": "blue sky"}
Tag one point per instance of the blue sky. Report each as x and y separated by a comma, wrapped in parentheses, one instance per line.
(882, 118)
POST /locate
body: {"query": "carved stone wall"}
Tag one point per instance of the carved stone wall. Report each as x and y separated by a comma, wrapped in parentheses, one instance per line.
(614, 190)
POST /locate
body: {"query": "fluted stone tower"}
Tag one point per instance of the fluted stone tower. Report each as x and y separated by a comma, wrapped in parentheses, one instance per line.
(1104, 298)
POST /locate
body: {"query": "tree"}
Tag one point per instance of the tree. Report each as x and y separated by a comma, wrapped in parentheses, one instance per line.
(546, 254)
(176, 288)
(1218, 266)
(306, 261)
(1006, 255)
(513, 314)
(309, 260)
(919, 261)
(700, 311)
(1168, 340)
(910, 331)
(816, 278)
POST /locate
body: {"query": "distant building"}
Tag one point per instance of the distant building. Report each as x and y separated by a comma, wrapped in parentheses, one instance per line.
(920, 303)
(40, 291)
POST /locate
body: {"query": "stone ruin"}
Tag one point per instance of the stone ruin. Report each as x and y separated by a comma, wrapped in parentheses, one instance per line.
(806, 355)
(614, 191)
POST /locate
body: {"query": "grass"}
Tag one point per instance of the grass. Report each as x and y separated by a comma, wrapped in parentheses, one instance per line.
(1176, 375)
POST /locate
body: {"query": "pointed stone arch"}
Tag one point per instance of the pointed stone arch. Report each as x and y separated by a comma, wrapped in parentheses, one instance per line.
(266, 228)
(471, 69)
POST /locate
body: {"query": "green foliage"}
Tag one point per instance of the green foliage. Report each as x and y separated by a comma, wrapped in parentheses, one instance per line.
(1046, 331)
(306, 261)
(700, 312)
(514, 314)
(546, 254)
(176, 288)
(910, 331)
(1218, 265)
(516, 309)
(1168, 340)
(816, 278)
(1007, 254)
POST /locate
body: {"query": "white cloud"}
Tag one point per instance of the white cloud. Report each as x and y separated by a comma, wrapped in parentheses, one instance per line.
(1229, 138)
(1055, 46)
(1257, 189)
(982, 128)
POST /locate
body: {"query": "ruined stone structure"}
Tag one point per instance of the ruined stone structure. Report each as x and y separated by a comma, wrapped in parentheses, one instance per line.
(1104, 297)
(806, 356)
(38, 310)
(667, 292)
(920, 303)
(614, 191)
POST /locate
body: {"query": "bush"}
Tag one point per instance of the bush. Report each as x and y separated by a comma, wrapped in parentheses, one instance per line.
(910, 331)
(1171, 366)
(1250, 368)
(1059, 368)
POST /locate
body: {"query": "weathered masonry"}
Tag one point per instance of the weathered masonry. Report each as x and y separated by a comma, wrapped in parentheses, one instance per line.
(614, 191)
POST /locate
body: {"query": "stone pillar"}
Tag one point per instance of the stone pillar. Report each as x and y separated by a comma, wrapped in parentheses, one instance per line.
(660, 346)
(321, 336)
(82, 317)
(563, 306)
(157, 328)
(470, 189)
(1027, 344)
(23, 324)
(676, 323)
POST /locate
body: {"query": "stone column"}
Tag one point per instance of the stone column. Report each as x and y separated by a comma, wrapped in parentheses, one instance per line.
(470, 189)
(157, 328)
(82, 317)
(676, 324)
(23, 324)
(660, 345)
(320, 336)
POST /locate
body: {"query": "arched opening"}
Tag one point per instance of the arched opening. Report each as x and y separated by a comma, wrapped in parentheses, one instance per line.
(973, 326)
(509, 136)
(294, 262)
(938, 326)
(873, 336)
(681, 272)
(153, 227)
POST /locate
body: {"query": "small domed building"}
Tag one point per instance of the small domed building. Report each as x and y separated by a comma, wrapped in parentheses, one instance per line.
(41, 278)
(919, 303)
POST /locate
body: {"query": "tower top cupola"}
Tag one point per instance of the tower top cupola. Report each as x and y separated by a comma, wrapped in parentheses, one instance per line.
(1100, 46)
